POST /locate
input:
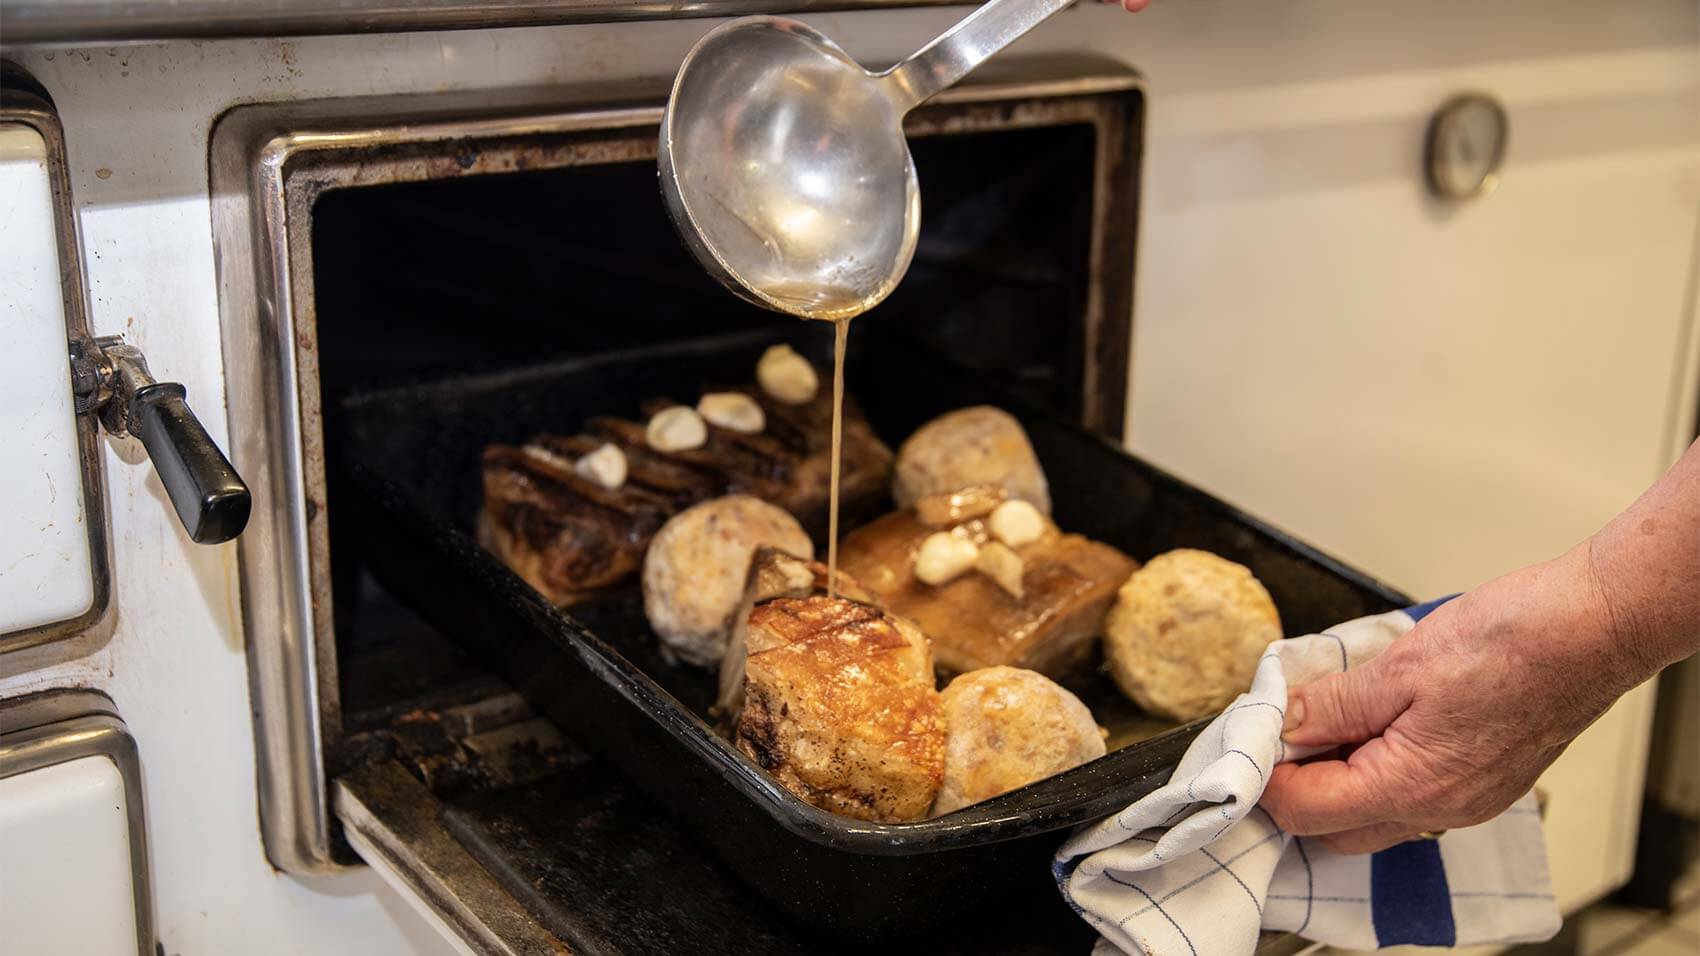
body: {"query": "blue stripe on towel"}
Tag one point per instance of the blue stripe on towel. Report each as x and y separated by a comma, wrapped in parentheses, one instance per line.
(1419, 611)
(1409, 899)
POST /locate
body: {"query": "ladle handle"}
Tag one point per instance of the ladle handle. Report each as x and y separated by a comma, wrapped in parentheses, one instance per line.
(943, 62)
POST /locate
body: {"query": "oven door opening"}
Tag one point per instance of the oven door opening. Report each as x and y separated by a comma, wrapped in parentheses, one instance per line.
(443, 289)
(406, 281)
(568, 292)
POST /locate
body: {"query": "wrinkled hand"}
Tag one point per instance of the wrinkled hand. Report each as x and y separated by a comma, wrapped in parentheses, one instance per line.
(1456, 719)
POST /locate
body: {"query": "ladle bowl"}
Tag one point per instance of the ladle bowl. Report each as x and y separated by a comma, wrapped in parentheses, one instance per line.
(783, 161)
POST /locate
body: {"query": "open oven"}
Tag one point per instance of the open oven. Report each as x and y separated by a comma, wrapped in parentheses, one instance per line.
(402, 280)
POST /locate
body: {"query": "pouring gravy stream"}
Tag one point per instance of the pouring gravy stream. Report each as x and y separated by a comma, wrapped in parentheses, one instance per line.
(840, 333)
(803, 300)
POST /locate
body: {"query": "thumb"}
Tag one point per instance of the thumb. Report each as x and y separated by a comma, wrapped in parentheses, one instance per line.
(1346, 708)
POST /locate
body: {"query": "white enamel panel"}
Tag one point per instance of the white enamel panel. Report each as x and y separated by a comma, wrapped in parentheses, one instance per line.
(45, 570)
(65, 872)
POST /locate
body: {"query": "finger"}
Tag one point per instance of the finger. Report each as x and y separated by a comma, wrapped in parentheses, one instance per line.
(1325, 796)
(1134, 6)
(1370, 839)
(1346, 708)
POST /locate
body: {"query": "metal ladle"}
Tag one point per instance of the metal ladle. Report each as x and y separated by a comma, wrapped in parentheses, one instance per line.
(783, 161)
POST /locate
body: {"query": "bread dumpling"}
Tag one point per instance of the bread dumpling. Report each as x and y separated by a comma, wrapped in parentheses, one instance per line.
(1009, 727)
(693, 575)
(1186, 632)
(981, 445)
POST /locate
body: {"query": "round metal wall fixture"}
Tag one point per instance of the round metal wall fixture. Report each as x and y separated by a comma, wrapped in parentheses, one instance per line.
(1465, 146)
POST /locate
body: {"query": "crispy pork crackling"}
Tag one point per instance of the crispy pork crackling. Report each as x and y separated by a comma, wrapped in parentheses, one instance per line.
(773, 574)
(839, 706)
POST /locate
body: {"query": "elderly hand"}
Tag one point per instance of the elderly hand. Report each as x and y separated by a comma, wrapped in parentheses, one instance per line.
(1456, 719)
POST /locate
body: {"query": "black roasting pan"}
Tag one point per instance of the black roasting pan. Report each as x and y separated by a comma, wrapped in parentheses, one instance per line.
(407, 461)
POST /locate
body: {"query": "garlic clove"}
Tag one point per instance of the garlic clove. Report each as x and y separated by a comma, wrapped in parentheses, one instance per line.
(1016, 523)
(606, 466)
(787, 376)
(676, 428)
(943, 557)
(733, 411)
(998, 562)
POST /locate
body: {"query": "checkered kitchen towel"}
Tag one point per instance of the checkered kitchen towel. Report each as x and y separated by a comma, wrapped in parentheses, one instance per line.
(1196, 868)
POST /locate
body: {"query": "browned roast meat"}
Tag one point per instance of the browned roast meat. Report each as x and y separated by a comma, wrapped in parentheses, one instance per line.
(646, 468)
(1068, 583)
(570, 538)
(865, 477)
(789, 462)
(840, 707)
(566, 535)
(773, 574)
(754, 465)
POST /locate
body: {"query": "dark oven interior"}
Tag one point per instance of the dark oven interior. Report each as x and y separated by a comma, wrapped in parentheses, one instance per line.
(469, 278)
(421, 281)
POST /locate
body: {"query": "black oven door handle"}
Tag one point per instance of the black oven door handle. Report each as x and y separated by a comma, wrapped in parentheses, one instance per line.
(210, 498)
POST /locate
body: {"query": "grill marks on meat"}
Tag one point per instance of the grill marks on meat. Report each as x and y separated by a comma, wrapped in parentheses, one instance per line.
(569, 537)
(646, 468)
(754, 465)
(772, 574)
(563, 533)
(789, 462)
(839, 707)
